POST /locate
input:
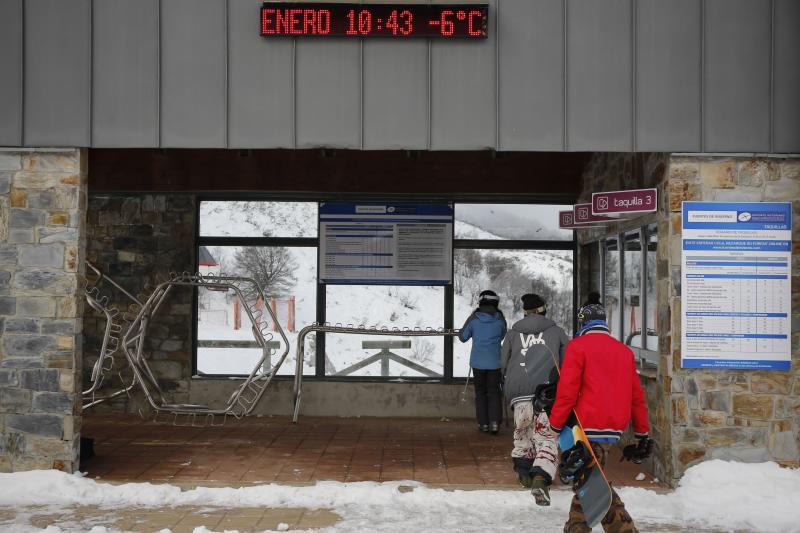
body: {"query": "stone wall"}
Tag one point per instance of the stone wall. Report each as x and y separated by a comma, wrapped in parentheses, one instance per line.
(138, 240)
(42, 239)
(703, 414)
(618, 171)
(730, 414)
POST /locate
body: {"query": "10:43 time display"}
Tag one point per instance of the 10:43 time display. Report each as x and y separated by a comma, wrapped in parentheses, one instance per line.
(398, 23)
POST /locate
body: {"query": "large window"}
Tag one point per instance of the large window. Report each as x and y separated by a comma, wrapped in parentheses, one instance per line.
(629, 290)
(512, 249)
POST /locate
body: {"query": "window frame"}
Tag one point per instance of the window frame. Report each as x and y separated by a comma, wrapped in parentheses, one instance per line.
(644, 357)
(321, 290)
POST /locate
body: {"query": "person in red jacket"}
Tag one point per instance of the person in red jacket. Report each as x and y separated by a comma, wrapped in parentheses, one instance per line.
(600, 382)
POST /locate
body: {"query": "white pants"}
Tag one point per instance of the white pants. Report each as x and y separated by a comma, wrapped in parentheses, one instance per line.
(533, 438)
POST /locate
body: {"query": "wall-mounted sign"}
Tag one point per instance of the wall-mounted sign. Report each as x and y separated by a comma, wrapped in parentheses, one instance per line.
(736, 295)
(566, 220)
(385, 243)
(619, 203)
(584, 215)
(301, 19)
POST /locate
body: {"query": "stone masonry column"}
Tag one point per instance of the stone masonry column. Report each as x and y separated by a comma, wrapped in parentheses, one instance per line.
(739, 415)
(42, 244)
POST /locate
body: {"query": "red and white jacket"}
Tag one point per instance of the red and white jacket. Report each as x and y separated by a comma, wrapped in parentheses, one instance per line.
(600, 382)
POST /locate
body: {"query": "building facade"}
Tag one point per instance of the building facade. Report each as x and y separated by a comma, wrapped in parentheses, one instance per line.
(118, 119)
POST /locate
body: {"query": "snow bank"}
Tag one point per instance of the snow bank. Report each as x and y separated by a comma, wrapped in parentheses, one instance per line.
(715, 494)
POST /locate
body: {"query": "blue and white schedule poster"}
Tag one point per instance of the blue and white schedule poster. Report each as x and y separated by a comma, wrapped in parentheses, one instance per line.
(736, 287)
(385, 243)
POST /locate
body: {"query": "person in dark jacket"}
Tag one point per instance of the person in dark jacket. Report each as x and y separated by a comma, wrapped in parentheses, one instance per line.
(530, 351)
(486, 326)
(600, 383)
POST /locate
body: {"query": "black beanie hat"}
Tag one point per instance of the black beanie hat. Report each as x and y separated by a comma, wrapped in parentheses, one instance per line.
(533, 302)
(489, 298)
(591, 310)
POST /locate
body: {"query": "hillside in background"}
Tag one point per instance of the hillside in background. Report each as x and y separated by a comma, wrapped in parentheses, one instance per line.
(508, 272)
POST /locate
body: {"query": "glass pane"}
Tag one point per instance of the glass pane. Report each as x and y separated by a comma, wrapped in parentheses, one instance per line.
(510, 222)
(611, 289)
(632, 309)
(258, 219)
(288, 276)
(652, 298)
(591, 263)
(389, 307)
(510, 273)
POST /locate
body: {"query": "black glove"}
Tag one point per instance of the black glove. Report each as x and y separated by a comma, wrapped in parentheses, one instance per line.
(638, 452)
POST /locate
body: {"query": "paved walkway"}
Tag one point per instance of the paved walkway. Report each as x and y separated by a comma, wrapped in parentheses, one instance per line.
(272, 449)
(177, 519)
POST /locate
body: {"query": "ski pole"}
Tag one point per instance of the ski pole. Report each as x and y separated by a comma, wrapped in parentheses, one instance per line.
(464, 392)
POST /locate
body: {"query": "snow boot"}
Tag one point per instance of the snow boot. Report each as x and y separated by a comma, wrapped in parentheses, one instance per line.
(540, 486)
(494, 427)
(484, 428)
(522, 466)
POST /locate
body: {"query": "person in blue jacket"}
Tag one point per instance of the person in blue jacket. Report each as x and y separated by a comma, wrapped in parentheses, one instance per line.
(486, 326)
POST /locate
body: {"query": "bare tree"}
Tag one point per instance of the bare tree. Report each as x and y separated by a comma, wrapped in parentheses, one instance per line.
(272, 267)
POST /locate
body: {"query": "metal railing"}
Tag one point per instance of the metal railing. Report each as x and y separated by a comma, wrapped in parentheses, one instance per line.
(352, 330)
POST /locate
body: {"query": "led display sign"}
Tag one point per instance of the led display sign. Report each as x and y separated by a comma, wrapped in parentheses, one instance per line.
(307, 19)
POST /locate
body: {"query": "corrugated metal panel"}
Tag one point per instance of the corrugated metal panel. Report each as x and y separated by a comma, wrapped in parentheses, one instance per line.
(463, 92)
(395, 94)
(507, 92)
(11, 69)
(786, 107)
(260, 86)
(736, 100)
(599, 75)
(668, 76)
(57, 73)
(328, 93)
(530, 37)
(125, 74)
(193, 73)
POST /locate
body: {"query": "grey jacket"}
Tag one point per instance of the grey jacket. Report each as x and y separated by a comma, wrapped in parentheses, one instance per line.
(526, 358)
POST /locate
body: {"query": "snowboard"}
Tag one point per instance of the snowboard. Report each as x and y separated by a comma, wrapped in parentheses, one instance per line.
(592, 489)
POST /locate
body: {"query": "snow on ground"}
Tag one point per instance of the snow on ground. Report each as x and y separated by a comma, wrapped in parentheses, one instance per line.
(715, 495)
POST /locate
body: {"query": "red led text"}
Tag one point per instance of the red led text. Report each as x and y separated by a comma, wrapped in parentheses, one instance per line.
(295, 22)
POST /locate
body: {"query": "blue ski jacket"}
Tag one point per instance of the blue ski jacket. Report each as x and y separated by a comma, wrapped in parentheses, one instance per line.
(487, 331)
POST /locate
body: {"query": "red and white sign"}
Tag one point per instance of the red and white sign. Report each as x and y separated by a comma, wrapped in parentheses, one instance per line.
(620, 203)
(566, 220)
(584, 215)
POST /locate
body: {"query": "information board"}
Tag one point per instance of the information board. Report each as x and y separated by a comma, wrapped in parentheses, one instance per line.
(736, 285)
(385, 243)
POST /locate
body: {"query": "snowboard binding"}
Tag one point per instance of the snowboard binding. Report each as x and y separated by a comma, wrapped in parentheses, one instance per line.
(544, 397)
(575, 464)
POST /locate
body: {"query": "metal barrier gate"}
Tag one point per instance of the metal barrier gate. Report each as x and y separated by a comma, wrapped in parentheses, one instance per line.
(353, 330)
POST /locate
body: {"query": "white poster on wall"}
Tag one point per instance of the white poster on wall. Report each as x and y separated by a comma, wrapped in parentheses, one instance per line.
(736, 285)
(386, 243)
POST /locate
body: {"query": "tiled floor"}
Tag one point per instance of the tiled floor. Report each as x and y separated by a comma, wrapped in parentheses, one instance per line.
(272, 449)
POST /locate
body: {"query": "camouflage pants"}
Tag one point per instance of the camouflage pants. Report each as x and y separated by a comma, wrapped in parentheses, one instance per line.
(617, 519)
(533, 438)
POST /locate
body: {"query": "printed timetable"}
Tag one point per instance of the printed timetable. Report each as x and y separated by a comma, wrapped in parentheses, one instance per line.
(736, 285)
(385, 244)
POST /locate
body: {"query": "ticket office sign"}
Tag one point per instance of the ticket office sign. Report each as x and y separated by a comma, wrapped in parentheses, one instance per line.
(385, 243)
(736, 285)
